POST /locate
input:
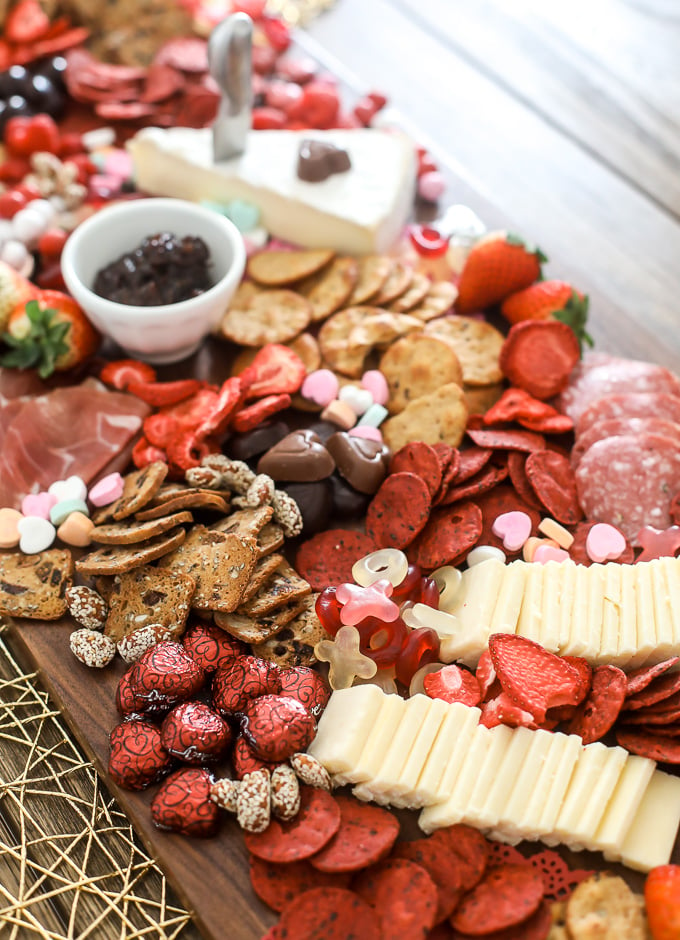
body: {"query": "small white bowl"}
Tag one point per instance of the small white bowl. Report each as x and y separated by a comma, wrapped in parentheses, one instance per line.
(169, 332)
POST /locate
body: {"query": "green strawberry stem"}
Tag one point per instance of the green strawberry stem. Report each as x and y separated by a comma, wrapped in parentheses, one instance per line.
(40, 346)
(575, 315)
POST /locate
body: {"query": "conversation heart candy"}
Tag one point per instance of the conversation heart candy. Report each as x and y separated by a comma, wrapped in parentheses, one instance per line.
(359, 399)
(604, 542)
(367, 433)
(76, 529)
(339, 412)
(107, 490)
(320, 386)
(514, 528)
(373, 416)
(61, 510)
(38, 504)
(9, 527)
(36, 534)
(376, 383)
(71, 488)
(546, 553)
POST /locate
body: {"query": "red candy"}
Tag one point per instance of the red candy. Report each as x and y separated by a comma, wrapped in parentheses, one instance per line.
(244, 760)
(382, 641)
(328, 608)
(277, 727)
(236, 683)
(195, 733)
(183, 804)
(162, 677)
(307, 687)
(210, 646)
(137, 757)
(422, 647)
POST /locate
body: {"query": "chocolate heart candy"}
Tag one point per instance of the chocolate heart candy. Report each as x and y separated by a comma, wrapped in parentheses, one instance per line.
(183, 803)
(137, 758)
(253, 443)
(162, 677)
(315, 502)
(195, 733)
(299, 458)
(317, 160)
(210, 646)
(363, 463)
(246, 677)
(307, 686)
(348, 503)
(276, 727)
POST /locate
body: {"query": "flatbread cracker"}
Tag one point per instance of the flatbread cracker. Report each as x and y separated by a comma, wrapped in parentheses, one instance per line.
(330, 288)
(245, 523)
(257, 630)
(439, 299)
(294, 644)
(117, 559)
(307, 348)
(382, 328)
(420, 285)
(139, 488)
(269, 539)
(477, 345)
(187, 497)
(439, 416)
(34, 586)
(280, 268)
(270, 316)
(263, 571)
(373, 272)
(603, 907)
(284, 586)
(417, 365)
(149, 595)
(130, 531)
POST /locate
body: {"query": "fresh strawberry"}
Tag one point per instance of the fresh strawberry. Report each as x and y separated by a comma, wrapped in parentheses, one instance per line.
(662, 899)
(26, 22)
(546, 300)
(49, 333)
(498, 265)
(15, 291)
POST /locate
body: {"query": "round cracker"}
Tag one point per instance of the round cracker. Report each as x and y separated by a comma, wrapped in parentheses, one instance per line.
(398, 282)
(382, 327)
(270, 316)
(339, 353)
(439, 299)
(477, 345)
(307, 348)
(416, 365)
(439, 416)
(604, 905)
(373, 272)
(279, 268)
(420, 285)
(330, 288)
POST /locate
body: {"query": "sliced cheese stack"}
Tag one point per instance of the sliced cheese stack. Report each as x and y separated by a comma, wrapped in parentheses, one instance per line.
(512, 783)
(628, 615)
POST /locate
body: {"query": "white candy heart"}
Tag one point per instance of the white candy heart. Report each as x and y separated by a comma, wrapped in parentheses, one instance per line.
(36, 534)
(72, 488)
(359, 399)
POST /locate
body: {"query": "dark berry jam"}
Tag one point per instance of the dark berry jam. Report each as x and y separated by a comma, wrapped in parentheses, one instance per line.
(164, 269)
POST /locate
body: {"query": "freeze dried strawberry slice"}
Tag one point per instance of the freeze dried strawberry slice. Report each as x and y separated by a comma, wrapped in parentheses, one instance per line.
(275, 370)
(539, 356)
(533, 678)
(144, 453)
(453, 684)
(501, 710)
(516, 404)
(226, 403)
(248, 418)
(121, 372)
(485, 673)
(164, 393)
(26, 22)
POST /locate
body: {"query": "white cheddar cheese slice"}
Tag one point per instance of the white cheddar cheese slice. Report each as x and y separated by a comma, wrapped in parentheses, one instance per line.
(591, 763)
(453, 809)
(438, 776)
(490, 770)
(553, 579)
(525, 790)
(663, 616)
(403, 793)
(486, 807)
(561, 752)
(509, 601)
(628, 654)
(529, 623)
(646, 621)
(378, 788)
(599, 794)
(650, 839)
(380, 734)
(476, 600)
(566, 604)
(577, 644)
(621, 809)
(593, 625)
(671, 572)
(360, 211)
(344, 727)
(611, 616)
(557, 776)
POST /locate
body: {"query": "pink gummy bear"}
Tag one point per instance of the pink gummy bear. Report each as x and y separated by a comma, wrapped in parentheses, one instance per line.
(372, 601)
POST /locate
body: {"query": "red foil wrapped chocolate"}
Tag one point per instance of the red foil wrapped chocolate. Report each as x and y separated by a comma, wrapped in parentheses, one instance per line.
(210, 646)
(307, 686)
(238, 682)
(195, 733)
(245, 761)
(183, 803)
(276, 726)
(137, 757)
(164, 676)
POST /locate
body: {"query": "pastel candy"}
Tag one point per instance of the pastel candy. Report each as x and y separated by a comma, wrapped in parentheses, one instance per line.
(38, 504)
(368, 434)
(346, 660)
(484, 553)
(321, 387)
(340, 413)
(546, 553)
(359, 399)
(604, 543)
(36, 534)
(374, 417)
(514, 528)
(376, 383)
(71, 488)
(431, 186)
(107, 490)
(244, 215)
(76, 529)
(532, 543)
(658, 543)
(65, 507)
(9, 527)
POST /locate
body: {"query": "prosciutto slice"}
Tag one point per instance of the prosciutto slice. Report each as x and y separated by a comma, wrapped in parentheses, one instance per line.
(75, 430)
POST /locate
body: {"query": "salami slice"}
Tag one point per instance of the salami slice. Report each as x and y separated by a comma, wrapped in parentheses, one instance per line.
(615, 427)
(625, 375)
(630, 405)
(629, 482)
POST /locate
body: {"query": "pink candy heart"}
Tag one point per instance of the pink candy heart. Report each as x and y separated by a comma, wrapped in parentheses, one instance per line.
(367, 432)
(321, 387)
(376, 383)
(38, 504)
(514, 528)
(546, 553)
(107, 491)
(604, 543)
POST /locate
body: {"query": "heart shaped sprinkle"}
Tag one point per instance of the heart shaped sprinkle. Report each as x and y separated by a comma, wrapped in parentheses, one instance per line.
(36, 534)
(38, 504)
(604, 543)
(514, 528)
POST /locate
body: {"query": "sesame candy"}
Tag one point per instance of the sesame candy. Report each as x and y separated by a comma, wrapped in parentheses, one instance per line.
(87, 607)
(92, 648)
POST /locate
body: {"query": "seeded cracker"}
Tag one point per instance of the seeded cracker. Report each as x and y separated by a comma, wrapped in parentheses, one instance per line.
(265, 568)
(269, 539)
(294, 644)
(439, 416)
(477, 345)
(397, 283)
(139, 488)
(330, 288)
(337, 351)
(220, 564)
(258, 630)
(416, 365)
(270, 316)
(147, 596)
(438, 300)
(116, 559)
(279, 268)
(176, 499)
(604, 906)
(285, 586)
(34, 586)
(245, 522)
(131, 532)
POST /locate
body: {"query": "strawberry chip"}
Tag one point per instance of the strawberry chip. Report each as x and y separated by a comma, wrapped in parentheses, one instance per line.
(328, 558)
(505, 897)
(450, 533)
(552, 477)
(277, 885)
(366, 835)
(485, 673)
(507, 440)
(599, 710)
(315, 824)
(533, 677)
(421, 459)
(404, 897)
(639, 679)
(399, 510)
(516, 404)
(275, 370)
(501, 710)
(249, 417)
(329, 914)
(453, 684)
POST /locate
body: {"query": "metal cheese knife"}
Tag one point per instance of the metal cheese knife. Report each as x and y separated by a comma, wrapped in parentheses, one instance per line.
(230, 62)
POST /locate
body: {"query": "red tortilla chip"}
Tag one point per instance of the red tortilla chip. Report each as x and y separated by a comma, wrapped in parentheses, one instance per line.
(366, 836)
(449, 535)
(505, 897)
(508, 440)
(554, 483)
(471, 461)
(536, 927)
(577, 549)
(485, 480)
(277, 885)
(399, 510)
(495, 502)
(655, 719)
(315, 824)
(656, 747)
(421, 459)
(327, 558)
(596, 714)
(329, 914)
(663, 687)
(519, 479)
(404, 897)
(639, 679)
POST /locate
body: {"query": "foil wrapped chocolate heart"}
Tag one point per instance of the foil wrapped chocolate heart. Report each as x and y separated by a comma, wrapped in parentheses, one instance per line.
(299, 458)
(162, 677)
(245, 760)
(211, 647)
(363, 463)
(183, 803)
(235, 684)
(195, 733)
(307, 687)
(276, 726)
(137, 757)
